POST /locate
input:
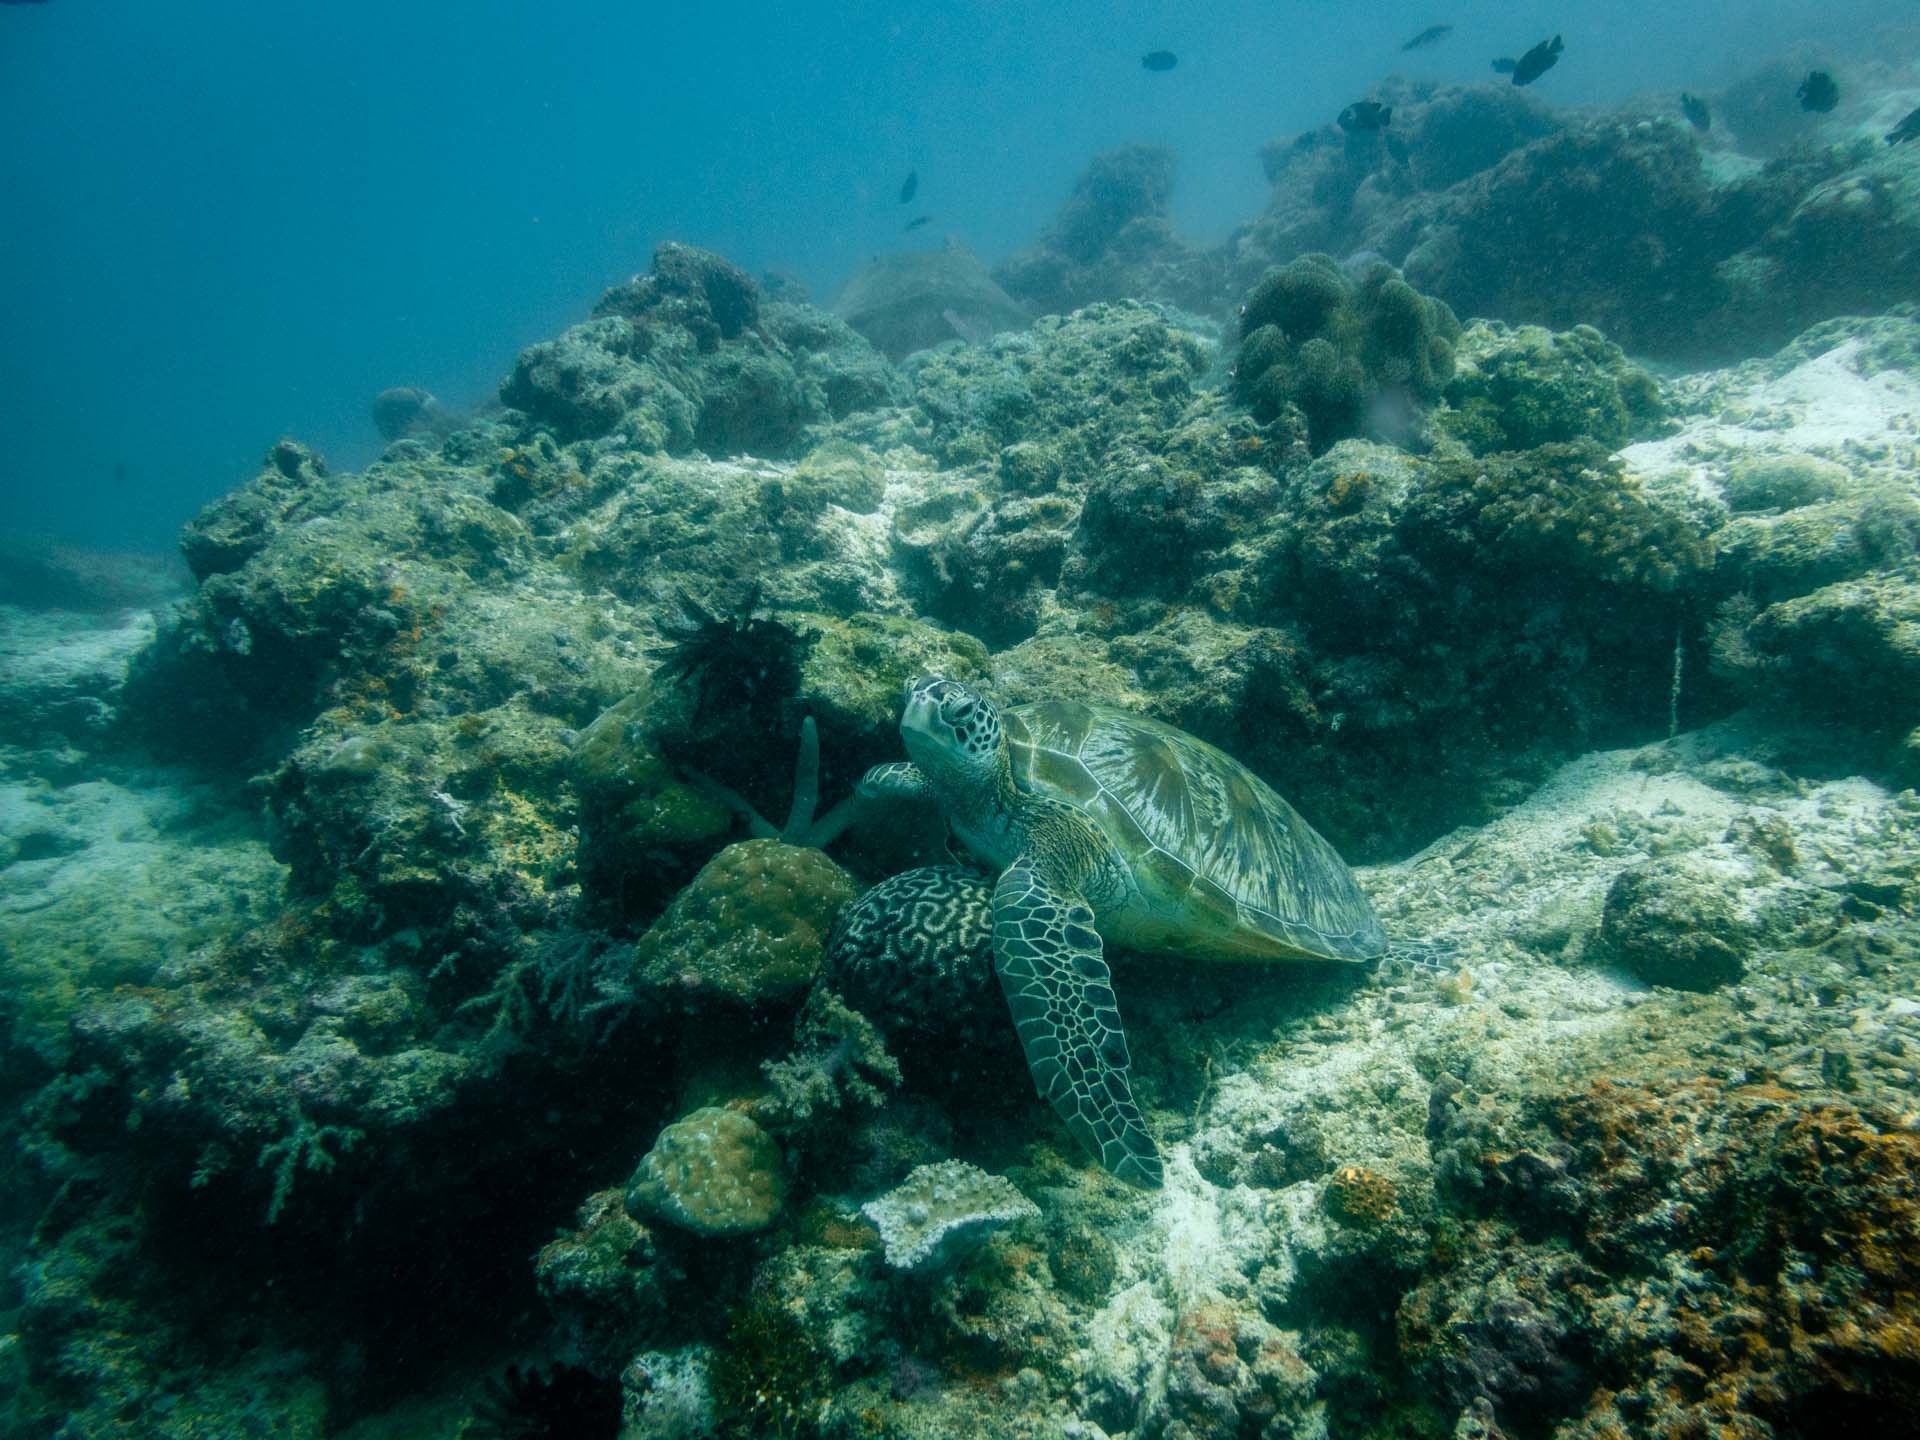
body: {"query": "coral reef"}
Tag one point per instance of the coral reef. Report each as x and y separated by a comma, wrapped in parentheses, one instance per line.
(683, 356)
(607, 1283)
(1112, 240)
(318, 1039)
(714, 1172)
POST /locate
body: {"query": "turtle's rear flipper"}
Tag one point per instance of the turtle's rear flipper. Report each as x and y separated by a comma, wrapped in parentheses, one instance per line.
(1048, 956)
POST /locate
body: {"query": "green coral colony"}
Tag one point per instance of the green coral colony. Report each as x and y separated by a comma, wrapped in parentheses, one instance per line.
(457, 1051)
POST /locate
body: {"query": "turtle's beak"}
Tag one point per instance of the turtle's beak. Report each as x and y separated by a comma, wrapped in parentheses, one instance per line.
(917, 716)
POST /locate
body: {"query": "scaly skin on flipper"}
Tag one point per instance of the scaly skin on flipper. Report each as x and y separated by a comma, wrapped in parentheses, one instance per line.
(895, 781)
(1055, 978)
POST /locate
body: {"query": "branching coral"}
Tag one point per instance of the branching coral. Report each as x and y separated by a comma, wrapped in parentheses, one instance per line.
(839, 1062)
(303, 1147)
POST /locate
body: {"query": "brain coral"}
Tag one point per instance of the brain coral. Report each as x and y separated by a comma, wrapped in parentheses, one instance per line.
(750, 929)
(1313, 340)
(939, 1212)
(915, 955)
(715, 1173)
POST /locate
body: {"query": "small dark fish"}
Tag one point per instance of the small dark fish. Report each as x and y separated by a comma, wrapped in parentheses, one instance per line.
(1505, 65)
(1159, 61)
(1818, 93)
(918, 221)
(1365, 115)
(1432, 35)
(1537, 61)
(122, 472)
(1696, 111)
(1907, 129)
(910, 186)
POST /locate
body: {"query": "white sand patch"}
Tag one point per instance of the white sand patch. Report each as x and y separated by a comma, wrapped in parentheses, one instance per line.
(1824, 406)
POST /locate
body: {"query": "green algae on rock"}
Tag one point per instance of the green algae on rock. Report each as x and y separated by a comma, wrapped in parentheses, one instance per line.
(1670, 924)
(1514, 389)
(714, 1172)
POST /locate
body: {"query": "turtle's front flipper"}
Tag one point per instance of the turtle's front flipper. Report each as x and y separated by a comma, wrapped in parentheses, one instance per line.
(897, 781)
(1057, 984)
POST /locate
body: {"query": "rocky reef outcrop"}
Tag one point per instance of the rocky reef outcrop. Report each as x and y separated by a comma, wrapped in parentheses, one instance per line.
(403, 932)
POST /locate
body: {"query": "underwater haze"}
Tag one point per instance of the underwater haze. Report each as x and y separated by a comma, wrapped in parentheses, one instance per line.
(940, 723)
(228, 222)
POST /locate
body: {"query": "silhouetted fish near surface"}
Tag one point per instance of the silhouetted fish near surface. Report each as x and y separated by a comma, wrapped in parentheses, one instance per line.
(1364, 115)
(1907, 129)
(918, 221)
(1818, 93)
(1696, 111)
(1536, 62)
(909, 186)
(1432, 35)
(1505, 65)
(1159, 61)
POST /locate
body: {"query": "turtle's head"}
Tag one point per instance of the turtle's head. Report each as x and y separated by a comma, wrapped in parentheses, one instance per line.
(952, 729)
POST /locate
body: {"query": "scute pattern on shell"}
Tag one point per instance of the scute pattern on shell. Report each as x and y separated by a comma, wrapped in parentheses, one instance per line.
(1209, 841)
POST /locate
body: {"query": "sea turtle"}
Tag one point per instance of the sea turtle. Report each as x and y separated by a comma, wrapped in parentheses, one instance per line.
(1105, 824)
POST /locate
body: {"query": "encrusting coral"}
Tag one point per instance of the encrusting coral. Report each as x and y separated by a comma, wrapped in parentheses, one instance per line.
(940, 1212)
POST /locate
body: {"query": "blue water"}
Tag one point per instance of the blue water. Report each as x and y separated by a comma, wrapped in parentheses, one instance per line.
(225, 221)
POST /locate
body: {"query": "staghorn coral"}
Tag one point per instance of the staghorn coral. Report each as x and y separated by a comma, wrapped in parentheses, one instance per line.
(714, 1172)
(1313, 340)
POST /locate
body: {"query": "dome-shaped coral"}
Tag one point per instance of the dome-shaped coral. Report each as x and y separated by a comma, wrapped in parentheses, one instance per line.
(750, 929)
(715, 1173)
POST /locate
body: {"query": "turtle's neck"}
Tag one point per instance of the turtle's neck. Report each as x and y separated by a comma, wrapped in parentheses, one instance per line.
(987, 812)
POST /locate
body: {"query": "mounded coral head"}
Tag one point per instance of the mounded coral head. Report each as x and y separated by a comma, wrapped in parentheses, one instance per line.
(715, 1172)
(1514, 388)
(1782, 480)
(1313, 340)
(915, 955)
(941, 1212)
(750, 929)
(694, 288)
